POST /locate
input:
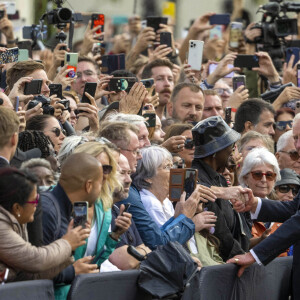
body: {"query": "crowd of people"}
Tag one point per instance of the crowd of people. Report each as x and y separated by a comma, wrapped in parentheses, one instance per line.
(115, 152)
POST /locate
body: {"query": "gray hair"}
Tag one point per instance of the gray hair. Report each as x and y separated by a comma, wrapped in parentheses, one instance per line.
(36, 162)
(283, 140)
(129, 118)
(256, 157)
(152, 158)
(68, 146)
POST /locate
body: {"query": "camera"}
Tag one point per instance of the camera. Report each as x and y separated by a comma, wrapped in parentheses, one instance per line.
(47, 108)
(65, 103)
(59, 15)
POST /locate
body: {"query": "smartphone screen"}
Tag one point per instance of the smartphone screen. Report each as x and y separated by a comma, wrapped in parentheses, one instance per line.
(17, 104)
(9, 56)
(237, 81)
(80, 211)
(71, 59)
(190, 181)
(298, 75)
(98, 19)
(90, 87)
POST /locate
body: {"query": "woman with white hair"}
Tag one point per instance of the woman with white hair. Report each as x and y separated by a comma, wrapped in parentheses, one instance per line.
(260, 172)
(152, 180)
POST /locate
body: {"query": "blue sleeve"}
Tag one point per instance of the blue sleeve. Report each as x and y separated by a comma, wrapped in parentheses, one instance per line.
(66, 276)
(180, 229)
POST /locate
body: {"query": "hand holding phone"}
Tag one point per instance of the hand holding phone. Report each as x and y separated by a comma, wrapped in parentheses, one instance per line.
(298, 75)
(34, 87)
(80, 212)
(98, 20)
(219, 19)
(195, 54)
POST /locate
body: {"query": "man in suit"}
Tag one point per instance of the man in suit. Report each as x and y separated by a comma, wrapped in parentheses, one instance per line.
(285, 236)
(9, 128)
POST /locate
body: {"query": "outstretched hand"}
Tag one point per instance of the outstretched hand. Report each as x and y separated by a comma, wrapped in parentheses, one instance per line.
(244, 261)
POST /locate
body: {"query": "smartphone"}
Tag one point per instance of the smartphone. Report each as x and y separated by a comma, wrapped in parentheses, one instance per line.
(195, 54)
(126, 209)
(155, 21)
(17, 104)
(292, 51)
(56, 89)
(90, 87)
(23, 55)
(25, 45)
(297, 108)
(98, 19)
(34, 87)
(236, 31)
(147, 82)
(212, 68)
(182, 180)
(216, 32)
(150, 119)
(228, 115)
(112, 63)
(298, 75)
(166, 39)
(246, 61)
(9, 56)
(72, 60)
(219, 19)
(118, 84)
(237, 81)
(80, 212)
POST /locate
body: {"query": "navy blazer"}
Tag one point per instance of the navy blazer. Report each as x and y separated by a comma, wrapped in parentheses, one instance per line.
(286, 235)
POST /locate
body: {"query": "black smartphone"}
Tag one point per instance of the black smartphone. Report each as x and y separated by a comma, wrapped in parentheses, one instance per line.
(150, 119)
(127, 206)
(118, 84)
(34, 87)
(9, 56)
(27, 46)
(298, 75)
(292, 51)
(90, 87)
(190, 182)
(237, 81)
(147, 82)
(246, 61)
(56, 89)
(219, 19)
(166, 39)
(80, 212)
(65, 103)
(228, 115)
(155, 21)
(112, 63)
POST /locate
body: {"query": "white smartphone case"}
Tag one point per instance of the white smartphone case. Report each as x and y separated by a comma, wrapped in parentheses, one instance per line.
(195, 54)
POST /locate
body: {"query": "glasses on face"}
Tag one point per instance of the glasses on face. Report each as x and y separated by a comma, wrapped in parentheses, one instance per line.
(134, 152)
(281, 125)
(36, 201)
(86, 73)
(293, 154)
(258, 175)
(168, 167)
(107, 169)
(222, 91)
(57, 131)
(189, 144)
(285, 188)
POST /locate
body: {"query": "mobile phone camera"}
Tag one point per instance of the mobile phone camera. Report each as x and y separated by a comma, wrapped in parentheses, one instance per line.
(193, 45)
(189, 144)
(47, 108)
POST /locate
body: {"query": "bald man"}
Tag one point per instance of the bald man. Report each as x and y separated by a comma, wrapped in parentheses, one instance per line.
(80, 180)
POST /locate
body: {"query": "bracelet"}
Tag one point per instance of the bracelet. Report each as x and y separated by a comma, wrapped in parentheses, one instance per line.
(142, 249)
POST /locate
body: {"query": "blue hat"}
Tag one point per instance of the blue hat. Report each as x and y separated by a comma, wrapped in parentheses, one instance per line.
(288, 176)
(212, 135)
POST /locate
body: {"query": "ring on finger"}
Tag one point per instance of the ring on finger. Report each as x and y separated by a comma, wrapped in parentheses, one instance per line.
(178, 146)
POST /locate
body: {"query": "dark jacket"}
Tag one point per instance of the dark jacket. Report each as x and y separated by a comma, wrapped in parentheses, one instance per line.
(286, 235)
(180, 229)
(3, 163)
(231, 228)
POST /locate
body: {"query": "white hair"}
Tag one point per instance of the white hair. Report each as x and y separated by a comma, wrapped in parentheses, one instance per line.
(129, 118)
(68, 146)
(152, 158)
(256, 157)
(283, 140)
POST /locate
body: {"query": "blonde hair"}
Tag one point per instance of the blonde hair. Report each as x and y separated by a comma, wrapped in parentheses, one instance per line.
(95, 149)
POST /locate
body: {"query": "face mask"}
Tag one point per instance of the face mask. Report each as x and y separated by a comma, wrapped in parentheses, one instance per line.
(43, 188)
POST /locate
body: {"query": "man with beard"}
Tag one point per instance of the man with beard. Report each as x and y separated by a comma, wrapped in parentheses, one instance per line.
(161, 71)
(120, 259)
(186, 103)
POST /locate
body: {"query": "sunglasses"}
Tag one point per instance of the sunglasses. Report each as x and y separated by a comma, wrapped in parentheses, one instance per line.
(106, 169)
(281, 125)
(293, 154)
(36, 201)
(57, 131)
(231, 168)
(189, 144)
(258, 175)
(286, 188)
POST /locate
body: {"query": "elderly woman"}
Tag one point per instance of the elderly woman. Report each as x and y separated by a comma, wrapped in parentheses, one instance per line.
(152, 180)
(260, 172)
(18, 201)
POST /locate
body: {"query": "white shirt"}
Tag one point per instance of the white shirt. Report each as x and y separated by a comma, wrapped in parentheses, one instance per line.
(159, 212)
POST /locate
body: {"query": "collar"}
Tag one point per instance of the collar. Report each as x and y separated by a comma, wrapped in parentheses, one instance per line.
(64, 202)
(4, 158)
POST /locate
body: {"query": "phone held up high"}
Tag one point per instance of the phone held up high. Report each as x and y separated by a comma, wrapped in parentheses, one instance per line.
(228, 115)
(298, 75)
(80, 213)
(34, 87)
(236, 31)
(195, 54)
(90, 88)
(9, 56)
(182, 180)
(98, 20)
(237, 81)
(71, 59)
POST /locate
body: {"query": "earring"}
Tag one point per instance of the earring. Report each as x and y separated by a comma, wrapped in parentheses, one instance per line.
(19, 215)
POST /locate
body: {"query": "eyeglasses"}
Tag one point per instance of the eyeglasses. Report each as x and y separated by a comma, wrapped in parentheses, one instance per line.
(222, 91)
(168, 167)
(57, 131)
(286, 188)
(36, 201)
(107, 169)
(134, 152)
(189, 144)
(293, 154)
(86, 73)
(258, 175)
(281, 125)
